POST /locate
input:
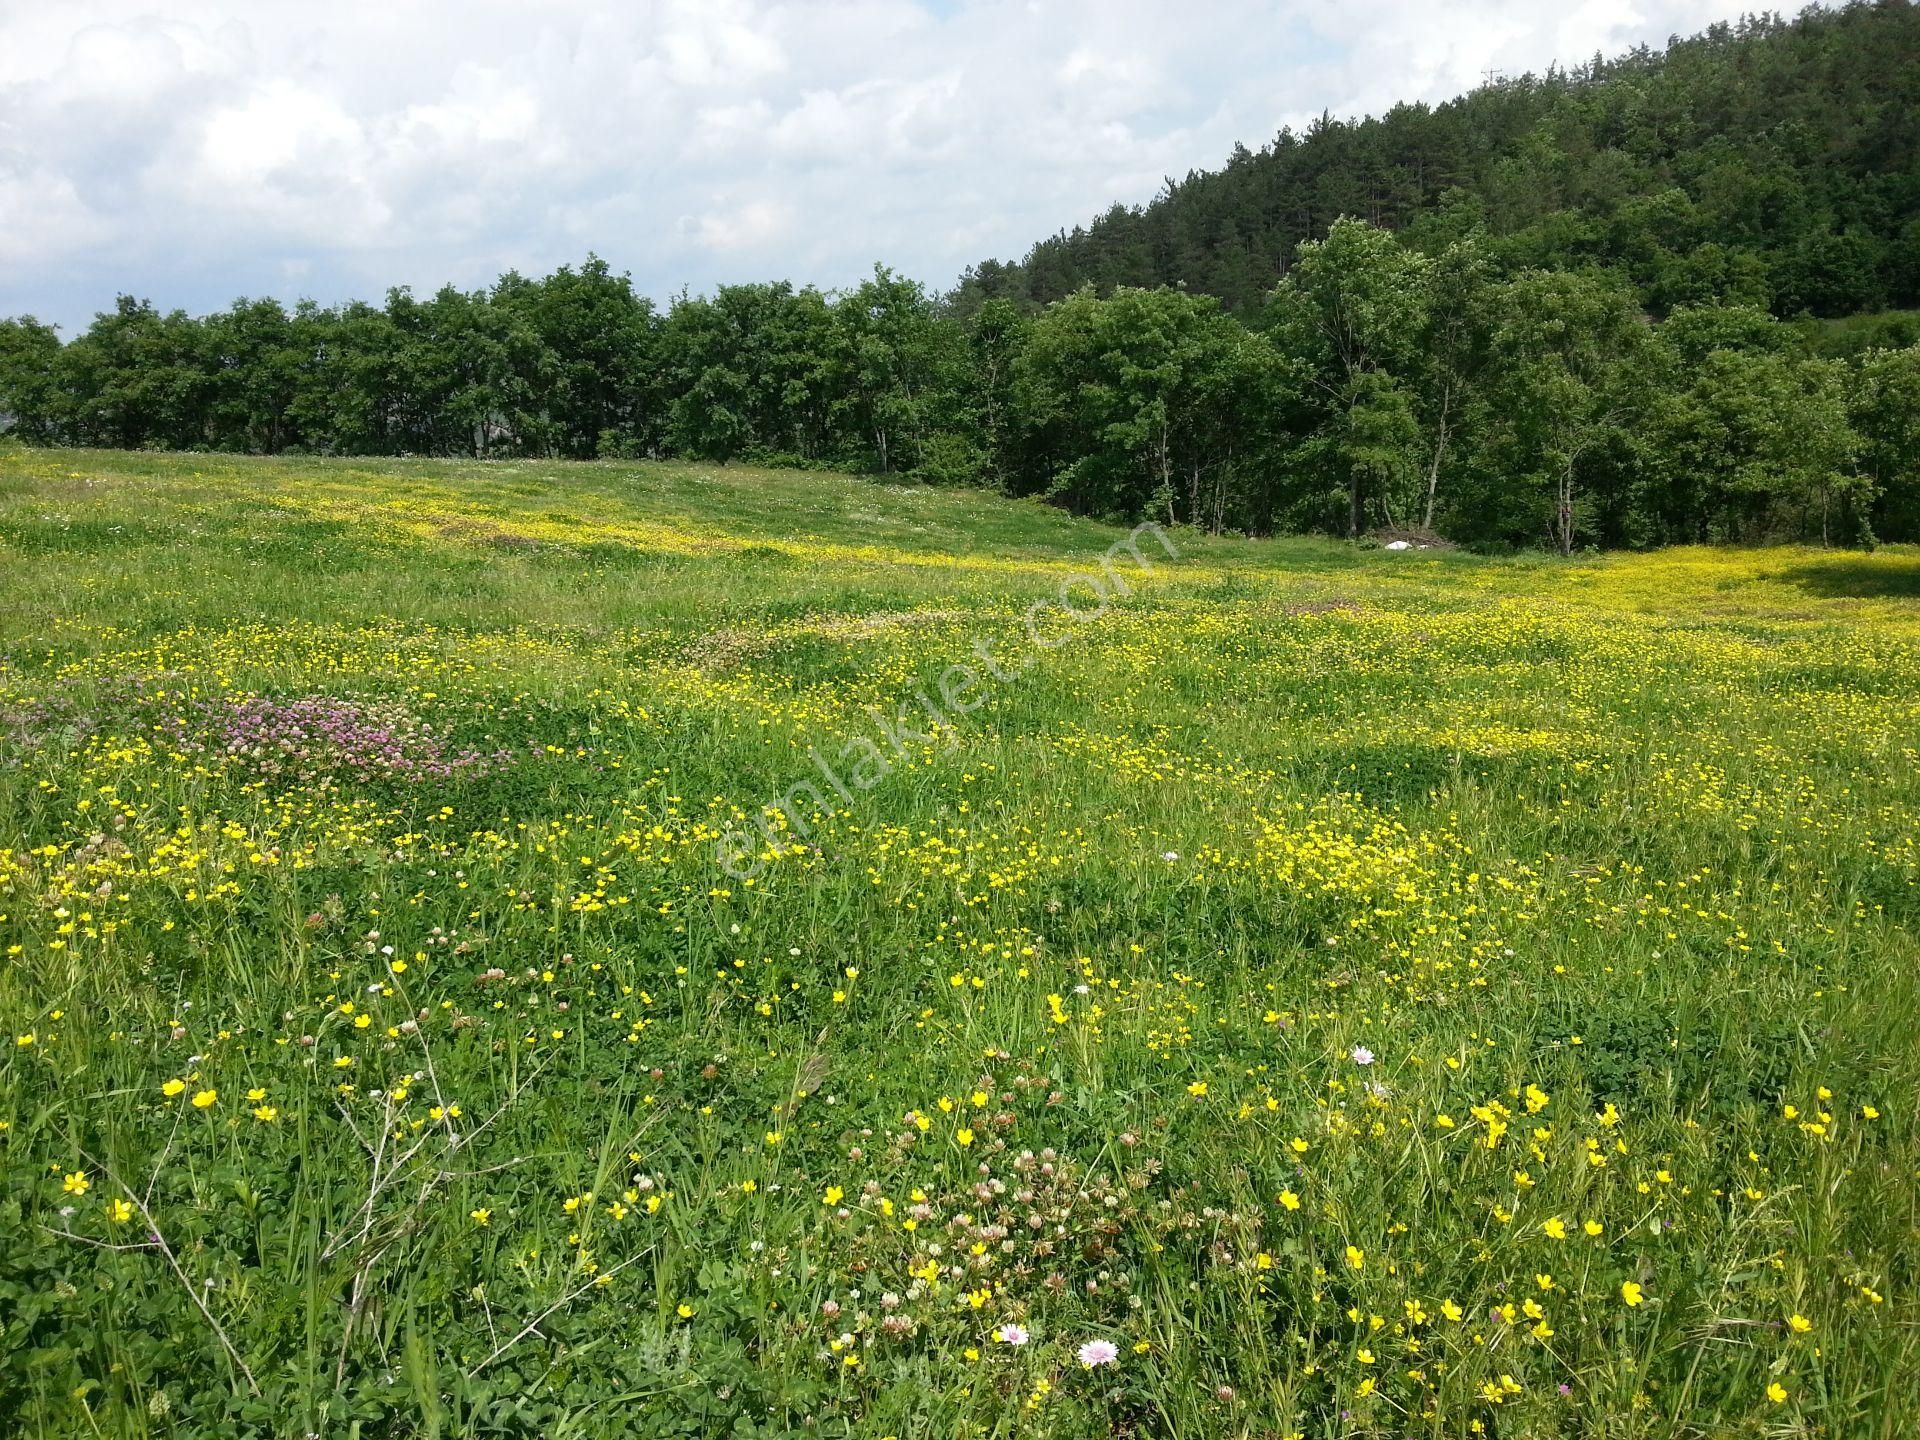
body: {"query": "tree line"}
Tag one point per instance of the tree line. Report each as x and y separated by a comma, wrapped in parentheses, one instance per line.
(1641, 302)
(1379, 385)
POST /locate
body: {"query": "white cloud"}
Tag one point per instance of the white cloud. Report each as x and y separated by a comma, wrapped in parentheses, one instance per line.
(50, 219)
(751, 225)
(718, 45)
(272, 146)
(279, 127)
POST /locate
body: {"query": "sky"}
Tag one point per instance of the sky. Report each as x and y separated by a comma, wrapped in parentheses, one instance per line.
(193, 151)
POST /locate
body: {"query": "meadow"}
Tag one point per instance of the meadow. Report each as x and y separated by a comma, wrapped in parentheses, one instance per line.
(1317, 992)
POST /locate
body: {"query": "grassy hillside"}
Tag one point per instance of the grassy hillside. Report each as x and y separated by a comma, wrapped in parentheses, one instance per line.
(1316, 991)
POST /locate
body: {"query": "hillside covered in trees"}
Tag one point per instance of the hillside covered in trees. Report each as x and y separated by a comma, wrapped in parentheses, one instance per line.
(1650, 301)
(1772, 163)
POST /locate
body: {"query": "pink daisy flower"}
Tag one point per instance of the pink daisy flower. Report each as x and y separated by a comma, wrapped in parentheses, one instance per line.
(1098, 1352)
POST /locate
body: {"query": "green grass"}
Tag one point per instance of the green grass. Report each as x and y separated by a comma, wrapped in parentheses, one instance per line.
(1610, 865)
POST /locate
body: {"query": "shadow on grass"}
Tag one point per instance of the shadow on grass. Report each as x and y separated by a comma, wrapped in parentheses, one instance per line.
(1859, 577)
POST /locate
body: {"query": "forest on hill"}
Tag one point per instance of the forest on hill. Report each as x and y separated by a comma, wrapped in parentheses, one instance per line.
(1656, 299)
(1773, 163)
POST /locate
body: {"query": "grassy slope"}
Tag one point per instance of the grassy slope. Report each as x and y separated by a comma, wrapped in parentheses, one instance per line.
(1458, 811)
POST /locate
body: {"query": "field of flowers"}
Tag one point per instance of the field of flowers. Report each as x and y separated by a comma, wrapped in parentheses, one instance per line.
(1303, 992)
